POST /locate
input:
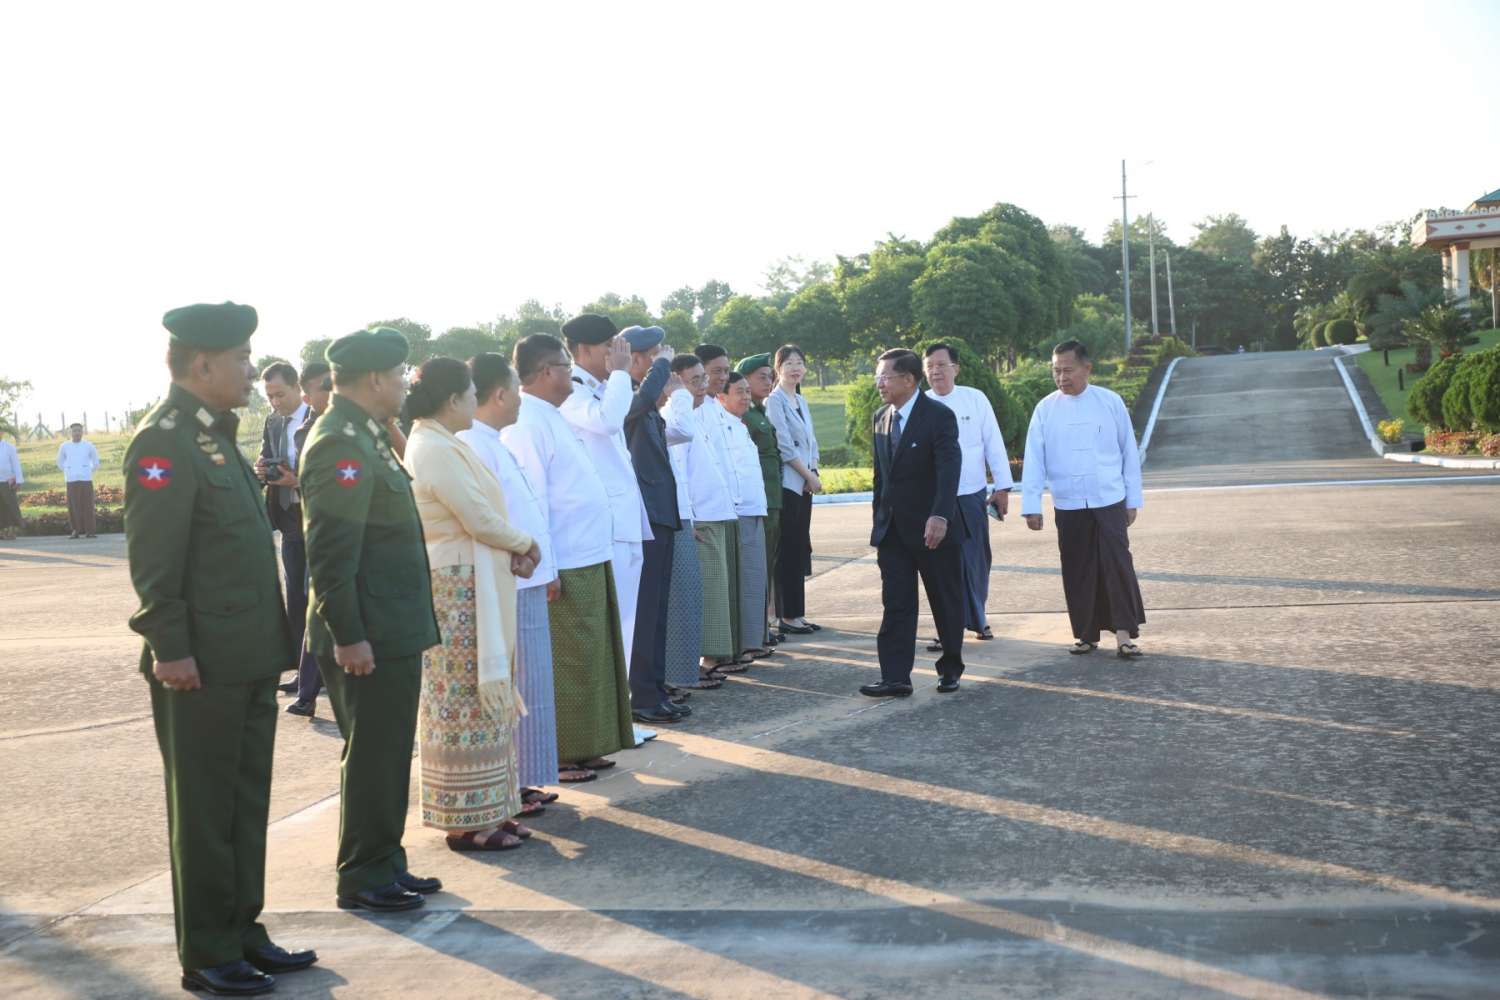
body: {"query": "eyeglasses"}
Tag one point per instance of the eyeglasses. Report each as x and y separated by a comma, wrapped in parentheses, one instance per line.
(939, 366)
(882, 379)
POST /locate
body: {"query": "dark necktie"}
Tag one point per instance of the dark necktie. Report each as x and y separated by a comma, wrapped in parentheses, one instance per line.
(895, 433)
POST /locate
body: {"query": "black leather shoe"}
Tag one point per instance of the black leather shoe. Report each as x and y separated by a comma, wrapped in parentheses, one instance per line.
(657, 716)
(935, 646)
(290, 687)
(947, 685)
(886, 689)
(273, 958)
(302, 708)
(682, 711)
(232, 979)
(383, 898)
(416, 883)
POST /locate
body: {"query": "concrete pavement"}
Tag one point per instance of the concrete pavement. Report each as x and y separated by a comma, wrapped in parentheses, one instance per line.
(1293, 794)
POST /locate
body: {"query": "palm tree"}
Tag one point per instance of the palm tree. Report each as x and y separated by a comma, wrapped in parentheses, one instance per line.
(1443, 326)
(1387, 324)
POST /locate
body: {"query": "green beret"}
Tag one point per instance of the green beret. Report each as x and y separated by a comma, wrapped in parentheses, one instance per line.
(210, 327)
(753, 362)
(368, 351)
(589, 328)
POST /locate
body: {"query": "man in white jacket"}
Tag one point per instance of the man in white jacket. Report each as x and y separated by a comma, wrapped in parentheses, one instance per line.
(78, 459)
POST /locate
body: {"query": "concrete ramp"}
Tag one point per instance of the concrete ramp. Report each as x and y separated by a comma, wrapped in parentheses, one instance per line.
(1286, 407)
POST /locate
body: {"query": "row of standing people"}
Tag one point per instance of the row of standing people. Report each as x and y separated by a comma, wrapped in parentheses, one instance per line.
(468, 586)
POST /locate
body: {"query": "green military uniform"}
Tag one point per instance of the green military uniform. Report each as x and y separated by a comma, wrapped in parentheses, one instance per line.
(204, 566)
(370, 582)
(763, 433)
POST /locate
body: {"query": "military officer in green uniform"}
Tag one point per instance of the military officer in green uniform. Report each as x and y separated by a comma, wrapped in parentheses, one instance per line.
(203, 563)
(757, 371)
(370, 611)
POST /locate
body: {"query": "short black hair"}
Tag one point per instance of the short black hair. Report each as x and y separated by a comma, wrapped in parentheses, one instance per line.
(733, 378)
(314, 369)
(904, 361)
(683, 362)
(281, 370)
(439, 381)
(940, 346)
(73, 425)
(1076, 346)
(530, 352)
(709, 352)
(490, 372)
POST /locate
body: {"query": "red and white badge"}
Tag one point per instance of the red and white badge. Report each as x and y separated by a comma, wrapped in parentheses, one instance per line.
(347, 472)
(153, 472)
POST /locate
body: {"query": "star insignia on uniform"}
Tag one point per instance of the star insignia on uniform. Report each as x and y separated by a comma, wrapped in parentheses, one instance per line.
(347, 472)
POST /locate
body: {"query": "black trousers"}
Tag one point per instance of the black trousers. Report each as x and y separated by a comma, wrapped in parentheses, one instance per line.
(942, 574)
(648, 652)
(294, 569)
(794, 554)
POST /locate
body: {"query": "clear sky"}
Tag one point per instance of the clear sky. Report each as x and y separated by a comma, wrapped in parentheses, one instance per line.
(337, 163)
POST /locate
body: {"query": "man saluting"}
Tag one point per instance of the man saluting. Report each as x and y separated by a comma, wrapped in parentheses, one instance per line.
(1081, 446)
(370, 611)
(204, 566)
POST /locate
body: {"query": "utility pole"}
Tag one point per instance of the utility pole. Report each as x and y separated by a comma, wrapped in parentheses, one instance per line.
(1171, 305)
(1151, 242)
(1125, 250)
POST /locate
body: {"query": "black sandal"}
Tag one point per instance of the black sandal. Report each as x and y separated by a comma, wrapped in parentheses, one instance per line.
(495, 840)
(575, 775)
(1129, 651)
(1079, 648)
(530, 795)
(984, 636)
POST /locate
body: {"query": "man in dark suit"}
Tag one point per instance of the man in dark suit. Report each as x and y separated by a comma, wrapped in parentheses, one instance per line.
(917, 462)
(646, 437)
(276, 466)
(317, 386)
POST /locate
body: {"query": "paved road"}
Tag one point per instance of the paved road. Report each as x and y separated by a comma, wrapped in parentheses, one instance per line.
(1294, 794)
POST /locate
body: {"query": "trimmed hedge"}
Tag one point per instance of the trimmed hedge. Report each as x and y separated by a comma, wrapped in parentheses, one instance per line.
(1484, 390)
(1340, 331)
(1425, 402)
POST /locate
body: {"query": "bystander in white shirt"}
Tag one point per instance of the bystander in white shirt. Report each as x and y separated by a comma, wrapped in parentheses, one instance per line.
(526, 513)
(709, 492)
(298, 417)
(78, 460)
(567, 487)
(1081, 448)
(10, 464)
(744, 466)
(597, 411)
(979, 439)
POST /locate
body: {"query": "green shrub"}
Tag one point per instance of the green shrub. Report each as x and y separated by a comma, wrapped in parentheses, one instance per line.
(1317, 337)
(1455, 403)
(1425, 402)
(836, 457)
(1028, 385)
(1340, 331)
(859, 410)
(1171, 348)
(1484, 390)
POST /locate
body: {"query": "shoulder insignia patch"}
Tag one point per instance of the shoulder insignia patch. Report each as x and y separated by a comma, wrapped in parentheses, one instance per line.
(349, 430)
(168, 420)
(349, 472)
(204, 417)
(153, 472)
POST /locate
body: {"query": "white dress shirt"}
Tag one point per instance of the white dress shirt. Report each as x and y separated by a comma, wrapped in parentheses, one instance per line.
(78, 460)
(744, 466)
(526, 512)
(979, 439)
(292, 423)
(682, 426)
(10, 464)
(597, 411)
(567, 487)
(710, 497)
(1082, 448)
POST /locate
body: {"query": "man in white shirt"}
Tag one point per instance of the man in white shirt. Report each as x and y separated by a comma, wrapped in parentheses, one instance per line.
(750, 507)
(600, 401)
(498, 391)
(78, 459)
(691, 412)
(1081, 446)
(588, 654)
(715, 424)
(983, 448)
(10, 478)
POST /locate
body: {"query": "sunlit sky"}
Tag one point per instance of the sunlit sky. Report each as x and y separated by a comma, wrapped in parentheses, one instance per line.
(337, 163)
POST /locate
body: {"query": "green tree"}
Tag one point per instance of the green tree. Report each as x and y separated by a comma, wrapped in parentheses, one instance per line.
(314, 350)
(682, 332)
(418, 336)
(968, 291)
(12, 391)
(1025, 238)
(711, 298)
(624, 312)
(463, 342)
(1424, 403)
(1441, 326)
(876, 291)
(684, 299)
(1225, 237)
(1098, 324)
(789, 275)
(814, 320)
(267, 360)
(1087, 263)
(744, 326)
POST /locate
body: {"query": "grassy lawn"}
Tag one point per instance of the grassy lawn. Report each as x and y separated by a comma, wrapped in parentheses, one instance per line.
(827, 406)
(1383, 377)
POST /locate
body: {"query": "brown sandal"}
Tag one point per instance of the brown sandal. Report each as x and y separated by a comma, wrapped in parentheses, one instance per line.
(575, 775)
(598, 764)
(530, 795)
(515, 829)
(494, 840)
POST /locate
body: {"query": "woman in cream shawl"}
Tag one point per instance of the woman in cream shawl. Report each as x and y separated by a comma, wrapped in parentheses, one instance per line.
(469, 708)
